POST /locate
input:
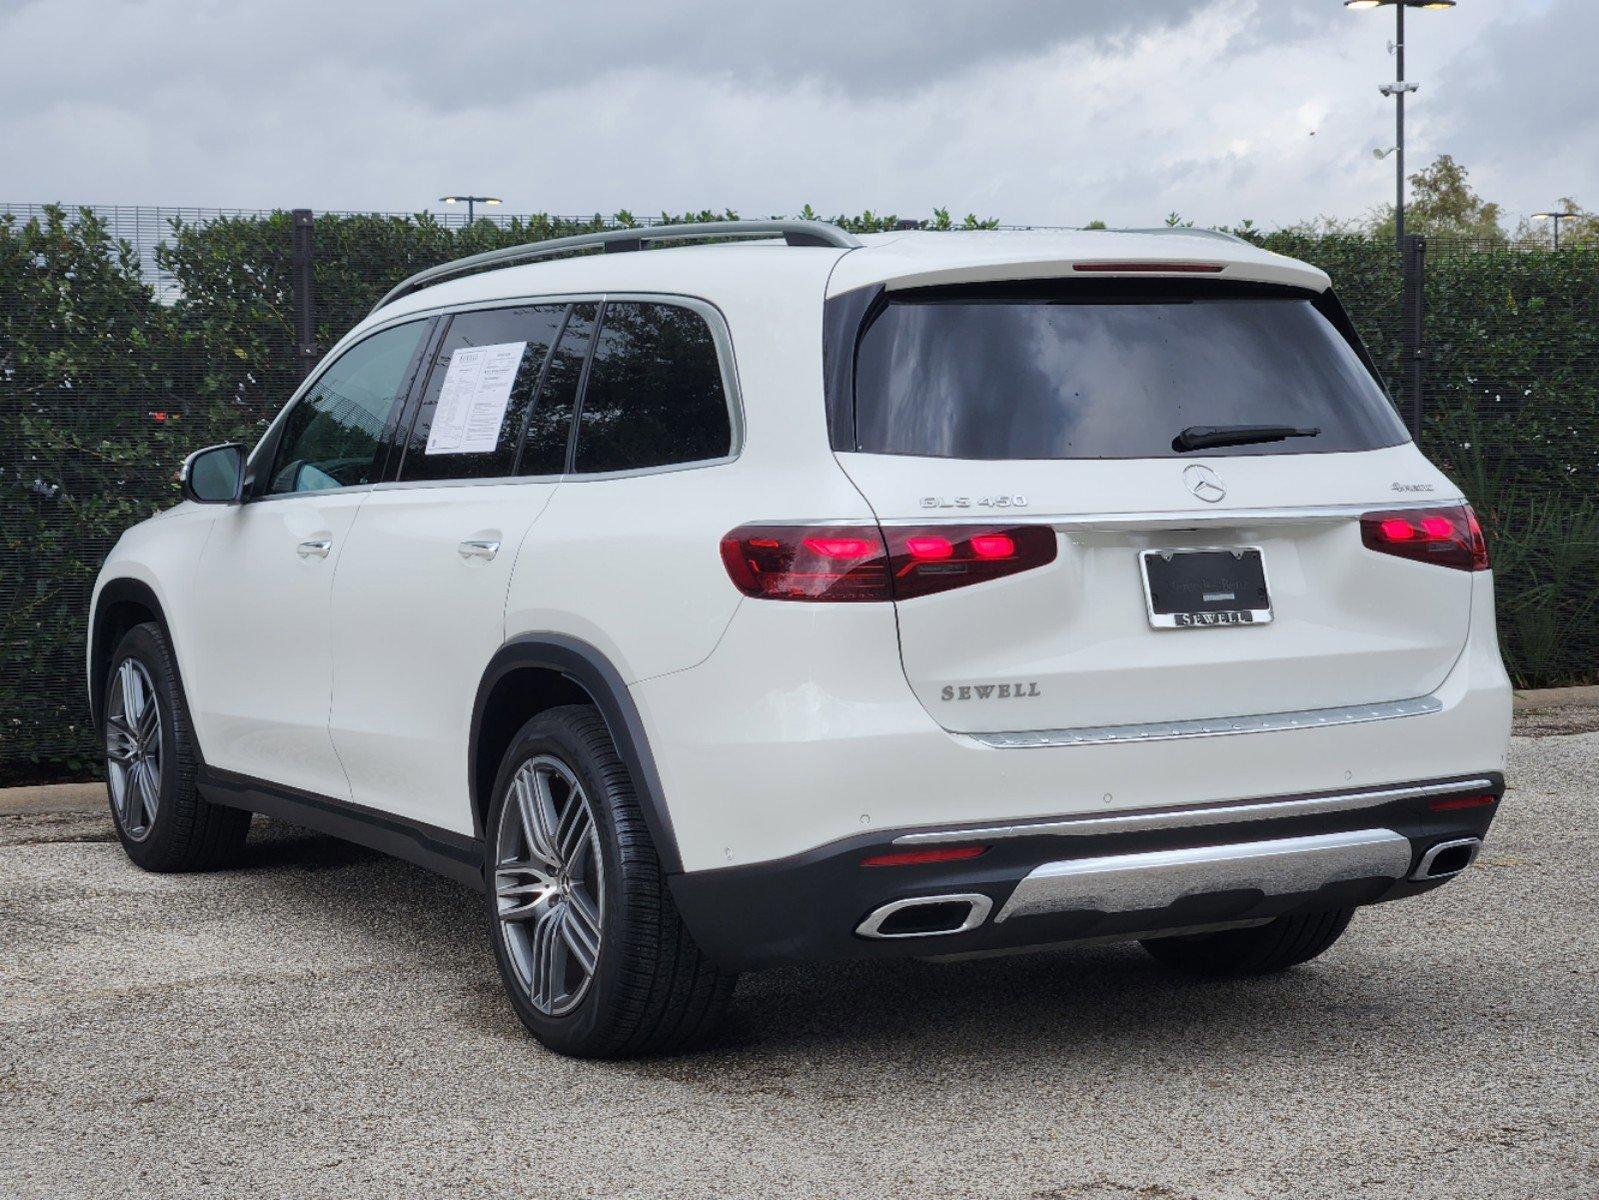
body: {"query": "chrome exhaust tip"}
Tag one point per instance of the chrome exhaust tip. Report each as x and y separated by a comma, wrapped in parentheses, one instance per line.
(927, 916)
(1446, 859)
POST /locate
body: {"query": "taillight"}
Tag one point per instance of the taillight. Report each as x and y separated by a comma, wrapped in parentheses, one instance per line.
(1446, 537)
(813, 562)
(936, 558)
(863, 562)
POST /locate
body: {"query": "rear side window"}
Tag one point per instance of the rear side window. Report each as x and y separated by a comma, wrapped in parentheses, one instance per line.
(654, 395)
(334, 435)
(1114, 375)
(481, 389)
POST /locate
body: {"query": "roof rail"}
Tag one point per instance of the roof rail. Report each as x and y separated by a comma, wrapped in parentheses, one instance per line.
(795, 233)
(1184, 231)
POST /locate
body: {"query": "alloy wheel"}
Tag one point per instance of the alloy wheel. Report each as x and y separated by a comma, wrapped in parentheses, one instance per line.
(549, 884)
(133, 749)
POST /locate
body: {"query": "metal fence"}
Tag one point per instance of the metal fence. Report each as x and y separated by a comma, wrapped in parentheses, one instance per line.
(130, 335)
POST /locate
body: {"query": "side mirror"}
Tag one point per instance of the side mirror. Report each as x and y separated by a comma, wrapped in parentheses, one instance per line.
(214, 475)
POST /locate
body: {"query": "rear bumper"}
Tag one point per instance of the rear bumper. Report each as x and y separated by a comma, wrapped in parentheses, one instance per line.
(1088, 877)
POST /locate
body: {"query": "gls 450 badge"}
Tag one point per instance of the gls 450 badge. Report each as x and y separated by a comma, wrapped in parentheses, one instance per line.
(994, 501)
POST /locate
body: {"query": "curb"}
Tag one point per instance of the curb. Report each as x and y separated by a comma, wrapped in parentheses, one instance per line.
(53, 798)
(1539, 699)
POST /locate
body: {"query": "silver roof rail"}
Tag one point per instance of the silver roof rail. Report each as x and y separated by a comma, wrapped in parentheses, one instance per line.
(795, 233)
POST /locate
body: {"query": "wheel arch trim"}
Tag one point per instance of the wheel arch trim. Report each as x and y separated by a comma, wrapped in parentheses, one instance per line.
(596, 675)
(124, 589)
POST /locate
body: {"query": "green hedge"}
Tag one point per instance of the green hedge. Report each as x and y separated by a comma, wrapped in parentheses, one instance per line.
(104, 387)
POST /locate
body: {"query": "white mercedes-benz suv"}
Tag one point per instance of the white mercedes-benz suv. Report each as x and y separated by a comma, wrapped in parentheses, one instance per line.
(805, 596)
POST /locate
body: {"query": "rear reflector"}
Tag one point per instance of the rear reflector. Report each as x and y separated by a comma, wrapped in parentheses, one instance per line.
(865, 563)
(1151, 268)
(911, 858)
(1458, 802)
(1446, 537)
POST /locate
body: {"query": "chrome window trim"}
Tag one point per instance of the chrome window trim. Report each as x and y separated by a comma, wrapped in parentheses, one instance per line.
(1166, 731)
(721, 335)
(1167, 518)
(1217, 813)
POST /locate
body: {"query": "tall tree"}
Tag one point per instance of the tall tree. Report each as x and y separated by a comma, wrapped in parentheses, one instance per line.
(1442, 204)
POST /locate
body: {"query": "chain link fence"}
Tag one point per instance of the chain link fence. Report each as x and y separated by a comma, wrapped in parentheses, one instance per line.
(132, 335)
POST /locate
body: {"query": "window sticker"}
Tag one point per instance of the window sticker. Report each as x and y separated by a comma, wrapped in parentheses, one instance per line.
(472, 402)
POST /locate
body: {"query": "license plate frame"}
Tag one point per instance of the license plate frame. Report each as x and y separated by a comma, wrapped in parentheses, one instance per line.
(1252, 607)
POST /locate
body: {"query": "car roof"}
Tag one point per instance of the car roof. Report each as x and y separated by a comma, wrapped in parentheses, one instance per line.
(911, 258)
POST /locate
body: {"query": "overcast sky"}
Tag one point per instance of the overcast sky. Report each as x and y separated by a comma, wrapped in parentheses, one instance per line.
(1041, 111)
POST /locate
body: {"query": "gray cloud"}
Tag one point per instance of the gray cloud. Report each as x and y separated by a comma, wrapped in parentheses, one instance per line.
(1044, 111)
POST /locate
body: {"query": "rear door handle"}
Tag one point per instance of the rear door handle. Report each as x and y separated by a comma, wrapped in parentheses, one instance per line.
(314, 548)
(483, 548)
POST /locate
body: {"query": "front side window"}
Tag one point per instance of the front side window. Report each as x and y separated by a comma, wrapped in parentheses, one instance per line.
(481, 388)
(334, 435)
(1113, 373)
(654, 395)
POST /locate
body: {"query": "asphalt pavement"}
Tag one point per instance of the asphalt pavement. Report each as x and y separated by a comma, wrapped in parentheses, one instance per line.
(325, 1022)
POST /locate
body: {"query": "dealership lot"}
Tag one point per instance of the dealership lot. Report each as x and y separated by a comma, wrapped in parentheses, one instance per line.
(325, 1021)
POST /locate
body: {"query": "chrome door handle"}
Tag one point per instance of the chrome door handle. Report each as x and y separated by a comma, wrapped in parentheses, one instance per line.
(315, 548)
(478, 548)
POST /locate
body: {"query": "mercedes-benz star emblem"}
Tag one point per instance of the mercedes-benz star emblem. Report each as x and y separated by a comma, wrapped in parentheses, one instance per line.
(1204, 483)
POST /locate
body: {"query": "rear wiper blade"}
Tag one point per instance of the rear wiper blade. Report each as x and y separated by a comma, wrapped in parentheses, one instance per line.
(1203, 437)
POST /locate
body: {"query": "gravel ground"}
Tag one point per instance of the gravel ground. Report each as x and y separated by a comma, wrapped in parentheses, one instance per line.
(327, 1022)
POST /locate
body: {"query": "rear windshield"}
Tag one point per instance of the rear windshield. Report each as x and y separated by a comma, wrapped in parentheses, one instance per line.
(993, 377)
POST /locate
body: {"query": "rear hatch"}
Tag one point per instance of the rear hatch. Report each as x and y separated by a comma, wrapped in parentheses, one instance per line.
(986, 408)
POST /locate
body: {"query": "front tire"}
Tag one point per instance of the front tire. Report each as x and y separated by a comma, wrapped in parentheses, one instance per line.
(591, 948)
(151, 762)
(1275, 946)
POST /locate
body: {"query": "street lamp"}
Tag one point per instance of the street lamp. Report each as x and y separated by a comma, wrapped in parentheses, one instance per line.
(470, 201)
(1556, 218)
(1398, 90)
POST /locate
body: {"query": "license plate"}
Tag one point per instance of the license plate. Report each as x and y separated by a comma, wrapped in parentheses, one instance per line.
(1205, 589)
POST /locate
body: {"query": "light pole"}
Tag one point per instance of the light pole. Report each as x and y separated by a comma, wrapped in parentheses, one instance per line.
(1397, 90)
(470, 201)
(1556, 218)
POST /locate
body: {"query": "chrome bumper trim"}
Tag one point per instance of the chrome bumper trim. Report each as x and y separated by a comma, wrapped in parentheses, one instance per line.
(1121, 883)
(1223, 813)
(1160, 731)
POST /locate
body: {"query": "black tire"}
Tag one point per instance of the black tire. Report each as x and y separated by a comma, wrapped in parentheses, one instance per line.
(651, 990)
(1284, 943)
(185, 833)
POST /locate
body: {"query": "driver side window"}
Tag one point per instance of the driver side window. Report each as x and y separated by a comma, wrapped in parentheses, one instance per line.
(333, 436)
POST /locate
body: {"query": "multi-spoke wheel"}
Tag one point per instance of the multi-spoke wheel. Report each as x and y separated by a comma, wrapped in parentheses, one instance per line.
(151, 760)
(133, 749)
(549, 882)
(588, 940)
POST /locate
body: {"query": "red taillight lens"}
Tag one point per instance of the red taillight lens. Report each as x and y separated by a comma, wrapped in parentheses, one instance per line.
(1446, 537)
(857, 563)
(913, 858)
(786, 562)
(940, 557)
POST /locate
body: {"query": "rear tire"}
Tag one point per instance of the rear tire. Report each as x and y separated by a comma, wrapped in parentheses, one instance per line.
(1285, 942)
(151, 763)
(592, 951)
